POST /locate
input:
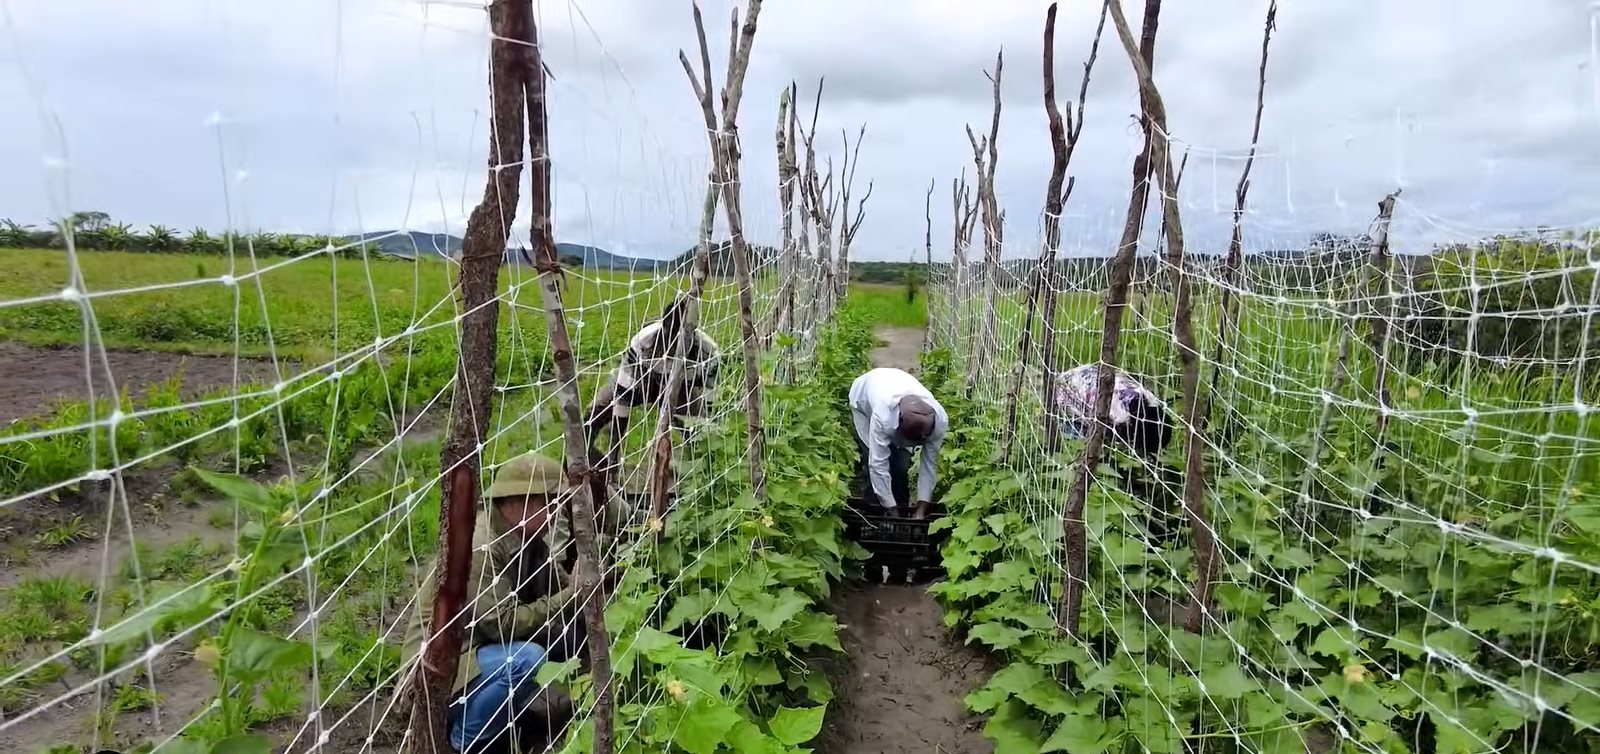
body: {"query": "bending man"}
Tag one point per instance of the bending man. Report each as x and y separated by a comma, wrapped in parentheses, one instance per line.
(894, 413)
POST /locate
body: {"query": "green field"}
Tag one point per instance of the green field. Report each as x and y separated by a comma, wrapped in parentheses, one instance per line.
(1406, 592)
(375, 525)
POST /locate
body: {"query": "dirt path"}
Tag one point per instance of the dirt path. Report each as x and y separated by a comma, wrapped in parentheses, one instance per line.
(903, 685)
(901, 349)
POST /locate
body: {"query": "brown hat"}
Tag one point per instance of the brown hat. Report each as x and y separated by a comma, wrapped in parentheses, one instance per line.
(528, 474)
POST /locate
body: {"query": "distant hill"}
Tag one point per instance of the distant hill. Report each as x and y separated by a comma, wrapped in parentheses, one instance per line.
(410, 244)
(722, 258)
(600, 259)
(416, 244)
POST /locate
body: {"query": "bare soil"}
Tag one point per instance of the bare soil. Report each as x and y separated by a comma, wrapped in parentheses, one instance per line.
(162, 509)
(903, 684)
(901, 349)
(36, 378)
(906, 680)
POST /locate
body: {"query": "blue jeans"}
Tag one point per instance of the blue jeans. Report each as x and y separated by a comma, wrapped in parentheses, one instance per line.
(502, 689)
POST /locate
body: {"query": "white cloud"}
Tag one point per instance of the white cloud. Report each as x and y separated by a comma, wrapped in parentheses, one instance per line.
(369, 113)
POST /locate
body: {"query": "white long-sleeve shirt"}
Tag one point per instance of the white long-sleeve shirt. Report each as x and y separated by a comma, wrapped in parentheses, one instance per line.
(875, 404)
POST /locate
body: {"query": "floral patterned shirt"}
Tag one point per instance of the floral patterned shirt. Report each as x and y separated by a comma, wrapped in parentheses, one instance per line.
(1075, 395)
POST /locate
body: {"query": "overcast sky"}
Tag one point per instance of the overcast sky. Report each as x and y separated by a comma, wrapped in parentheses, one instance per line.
(342, 115)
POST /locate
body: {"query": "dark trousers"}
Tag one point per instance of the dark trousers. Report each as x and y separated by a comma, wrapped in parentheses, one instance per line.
(899, 477)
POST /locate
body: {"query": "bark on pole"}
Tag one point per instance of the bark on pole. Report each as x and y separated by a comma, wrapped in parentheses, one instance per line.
(818, 198)
(1116, 301)
(927, 248)
(986, 153)
(1235, 258)
(1194, 483)
(547, 262)
(964, 214)
(1063, 138)
(850, 226)
(1341, 370)
(482, 254)
(700, 271)
(1381, 261)
(725, 156)
(783, 311)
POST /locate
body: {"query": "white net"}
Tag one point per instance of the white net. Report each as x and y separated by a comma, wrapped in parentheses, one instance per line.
(1399, 458)
(219, 482)
(220, 477)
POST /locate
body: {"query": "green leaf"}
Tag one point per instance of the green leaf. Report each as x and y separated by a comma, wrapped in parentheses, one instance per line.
(1336, 642)
(795, 726)
(748, 738)
(252, 655)
(184, 746)
(1227, 682)
(556, 672)
(243, 745)
(1008, 682)
(249, 494)
(771, 611)
(693, 606)
(816, 685)
(1013, 730)
(997, 635)
(761, 671)
(1454, 641)
(1084, 734)
(1300, 613)
(705, 725)
(814, 630)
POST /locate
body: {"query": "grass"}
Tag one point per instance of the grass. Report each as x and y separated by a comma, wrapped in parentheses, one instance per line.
(353, 550)
(371, 530)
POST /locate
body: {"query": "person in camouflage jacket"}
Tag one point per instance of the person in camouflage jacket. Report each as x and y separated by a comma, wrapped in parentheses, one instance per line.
(524, 607)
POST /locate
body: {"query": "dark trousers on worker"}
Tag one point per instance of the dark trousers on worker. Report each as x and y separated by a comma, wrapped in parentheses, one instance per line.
(899, 477)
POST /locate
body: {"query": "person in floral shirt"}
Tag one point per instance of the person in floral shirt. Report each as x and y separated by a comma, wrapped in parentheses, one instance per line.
(1138, 418)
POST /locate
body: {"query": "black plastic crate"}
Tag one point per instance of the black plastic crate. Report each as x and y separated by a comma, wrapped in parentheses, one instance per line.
(894, 541)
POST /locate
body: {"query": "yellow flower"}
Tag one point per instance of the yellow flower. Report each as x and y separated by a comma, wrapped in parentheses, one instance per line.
(1356, 673)
(677, 689)
(208, 654)
(656, 524)
(767, 521)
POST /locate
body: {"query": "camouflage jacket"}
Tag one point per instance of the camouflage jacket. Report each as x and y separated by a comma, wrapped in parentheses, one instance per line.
(518, 589)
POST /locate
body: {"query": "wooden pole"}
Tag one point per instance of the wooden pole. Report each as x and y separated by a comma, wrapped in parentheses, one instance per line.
(985, 153)
(788, 180)
(1063, 139)
(850, 226)
(725, 159)
(1341, 360)
(1231, 265)
(927, 280)
(1194, 483)
(1075, 544)
(590, 585)
(482, 254)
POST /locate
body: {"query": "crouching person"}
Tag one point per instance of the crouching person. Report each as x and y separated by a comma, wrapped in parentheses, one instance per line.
(641, 379)
(1139, 422)
(523, 607)
(1138, 418)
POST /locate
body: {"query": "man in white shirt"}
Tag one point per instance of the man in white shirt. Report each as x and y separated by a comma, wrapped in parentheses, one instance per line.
(894, 413)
